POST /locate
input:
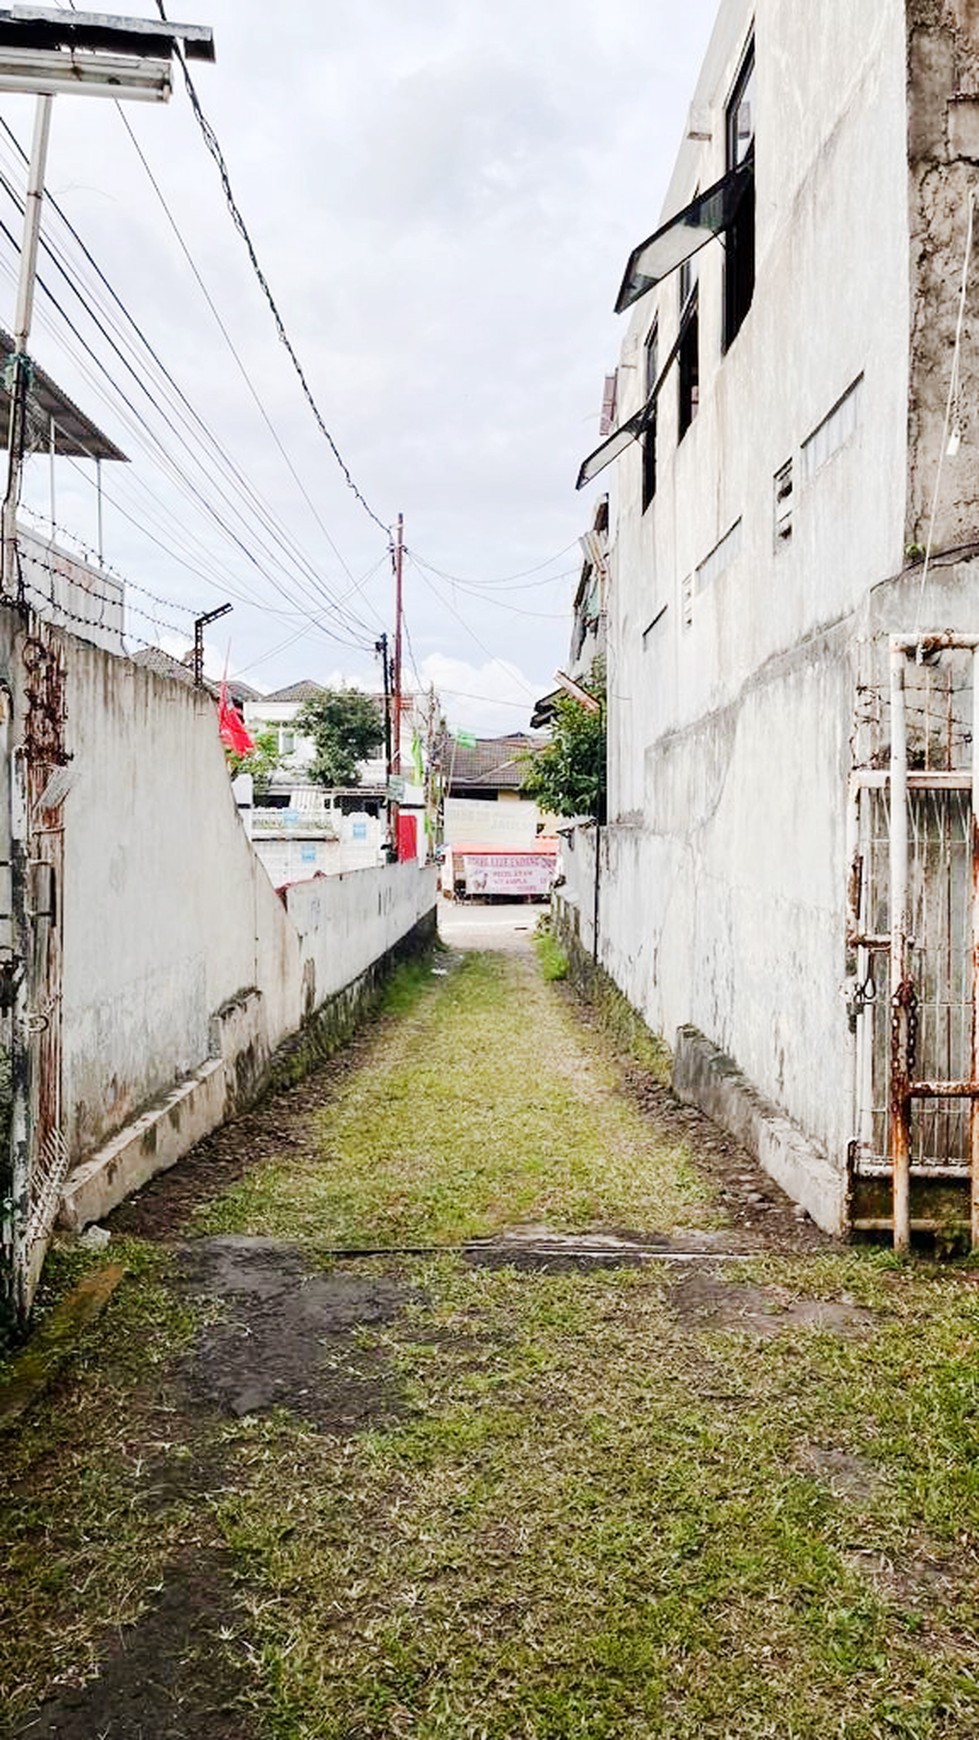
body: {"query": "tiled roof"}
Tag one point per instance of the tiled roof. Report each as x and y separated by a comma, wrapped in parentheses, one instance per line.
(304, 690)
(494, 762)
(163, 664)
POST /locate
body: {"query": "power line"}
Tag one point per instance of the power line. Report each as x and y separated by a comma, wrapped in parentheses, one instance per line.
(251, 498)
(229, 341)
(505, 579)
(213, 145)
(447, 605)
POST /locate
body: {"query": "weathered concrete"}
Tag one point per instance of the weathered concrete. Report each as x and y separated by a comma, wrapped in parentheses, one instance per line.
(739, 690)
(704, 1077)
(233, 1079)
(943, 148)
(152, 1142)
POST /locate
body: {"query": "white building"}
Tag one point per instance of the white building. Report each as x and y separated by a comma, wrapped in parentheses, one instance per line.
(783, 665)
(300, 829)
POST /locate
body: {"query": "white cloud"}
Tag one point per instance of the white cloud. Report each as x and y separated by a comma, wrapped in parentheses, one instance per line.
(492, 699)
(443, 196)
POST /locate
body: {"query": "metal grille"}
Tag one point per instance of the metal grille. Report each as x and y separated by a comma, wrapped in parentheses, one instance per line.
(940, 904)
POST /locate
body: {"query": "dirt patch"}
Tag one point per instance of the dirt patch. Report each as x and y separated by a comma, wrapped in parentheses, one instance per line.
(846, 1474)
(173, 1674)
(760, 1214)
(286, 1337)
(704, 1299)
(922, 1576)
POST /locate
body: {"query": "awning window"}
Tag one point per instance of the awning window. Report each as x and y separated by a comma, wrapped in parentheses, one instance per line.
(709, 215)
(631, 431)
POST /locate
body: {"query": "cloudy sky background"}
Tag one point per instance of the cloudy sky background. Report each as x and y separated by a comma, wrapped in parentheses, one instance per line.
(443, 196)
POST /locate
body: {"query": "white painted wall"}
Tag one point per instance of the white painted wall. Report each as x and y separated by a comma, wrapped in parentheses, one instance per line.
(346, 921)
(723, 896)
(71, 592)
(168, 913)
(514, 819)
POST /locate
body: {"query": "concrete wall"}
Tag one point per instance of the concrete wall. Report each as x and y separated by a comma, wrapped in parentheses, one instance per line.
(170, 920)
(736, 688)
(943, 149)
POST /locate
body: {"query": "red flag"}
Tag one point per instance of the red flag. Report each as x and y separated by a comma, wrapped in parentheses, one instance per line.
(231, 726)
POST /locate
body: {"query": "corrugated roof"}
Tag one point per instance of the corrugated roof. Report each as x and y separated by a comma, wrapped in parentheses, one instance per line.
(75, 435)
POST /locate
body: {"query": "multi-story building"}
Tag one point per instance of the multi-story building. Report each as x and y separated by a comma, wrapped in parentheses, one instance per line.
(787, 874)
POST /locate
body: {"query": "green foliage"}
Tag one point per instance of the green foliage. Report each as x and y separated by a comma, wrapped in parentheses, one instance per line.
(567, 776)
(261, 763)
(550, 954)
(346, 727)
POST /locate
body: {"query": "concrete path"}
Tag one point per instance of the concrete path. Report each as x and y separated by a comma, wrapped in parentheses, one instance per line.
(465, 924)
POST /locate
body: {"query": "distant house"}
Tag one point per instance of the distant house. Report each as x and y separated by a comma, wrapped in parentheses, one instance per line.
(301, 829)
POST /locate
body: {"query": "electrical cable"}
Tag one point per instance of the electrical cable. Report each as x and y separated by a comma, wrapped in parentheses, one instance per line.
(229, 341)
(353, 621)
(140, 424)
(506, 579)
(214, 148)
(227, 461)
(447, 605)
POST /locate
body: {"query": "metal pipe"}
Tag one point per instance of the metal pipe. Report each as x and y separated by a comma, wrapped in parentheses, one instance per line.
(974, 1107)
(22, 329)
(899, 1109)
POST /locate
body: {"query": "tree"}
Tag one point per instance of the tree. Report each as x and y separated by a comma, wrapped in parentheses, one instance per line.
(346, 727)
(261, 763)
(567, 776)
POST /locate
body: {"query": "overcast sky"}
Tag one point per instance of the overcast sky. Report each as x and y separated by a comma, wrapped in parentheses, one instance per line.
(443, 195)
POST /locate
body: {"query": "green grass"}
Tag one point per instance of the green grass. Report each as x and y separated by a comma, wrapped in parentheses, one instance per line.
(79, 1552)
(589, 1518)
(552, 957)
(595, 1523)
(485, 1106)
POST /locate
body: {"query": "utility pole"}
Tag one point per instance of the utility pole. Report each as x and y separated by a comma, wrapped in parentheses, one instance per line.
(381, 648)
(399, 542)
(19, 368)
(43, 51)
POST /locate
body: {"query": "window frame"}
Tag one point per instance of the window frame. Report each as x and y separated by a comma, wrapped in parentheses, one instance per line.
(740, 237)
(651, 355)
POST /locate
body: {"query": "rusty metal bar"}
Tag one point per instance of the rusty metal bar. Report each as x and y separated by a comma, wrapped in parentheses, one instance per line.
(936, 779)
(880, 1172)
(899, 1119)
(935, 640)
(941, 1090)
(974, 1108)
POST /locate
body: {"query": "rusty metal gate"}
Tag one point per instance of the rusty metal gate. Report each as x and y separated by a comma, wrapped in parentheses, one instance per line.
(38, 784)
(913, 938)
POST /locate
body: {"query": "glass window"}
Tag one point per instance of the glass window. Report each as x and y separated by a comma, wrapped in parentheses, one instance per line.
(739, 263)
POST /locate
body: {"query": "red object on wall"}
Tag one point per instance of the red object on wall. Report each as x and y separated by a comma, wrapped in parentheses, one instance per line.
(407, 837)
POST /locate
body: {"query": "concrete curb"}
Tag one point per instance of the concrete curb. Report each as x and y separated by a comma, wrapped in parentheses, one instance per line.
(704, 1077)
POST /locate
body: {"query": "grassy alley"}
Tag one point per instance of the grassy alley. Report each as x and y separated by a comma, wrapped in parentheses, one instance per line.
(282, 1493)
